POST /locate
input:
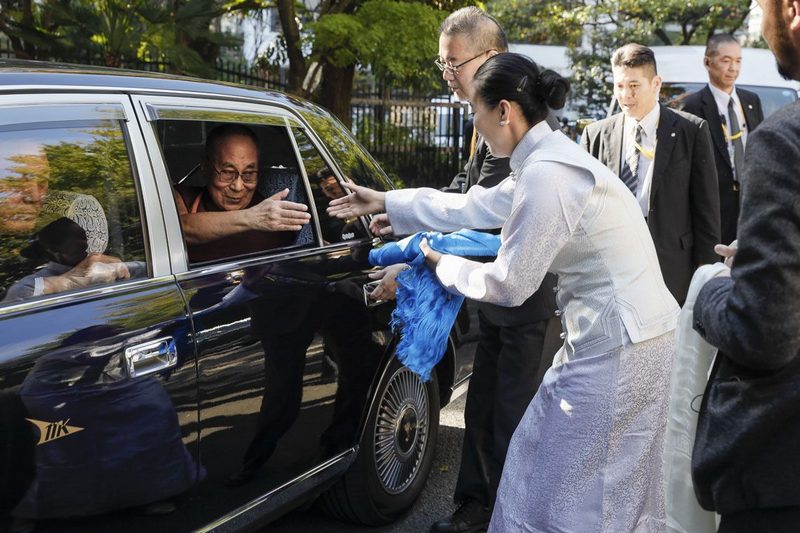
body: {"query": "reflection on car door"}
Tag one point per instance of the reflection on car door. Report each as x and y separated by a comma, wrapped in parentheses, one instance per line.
(97, 377)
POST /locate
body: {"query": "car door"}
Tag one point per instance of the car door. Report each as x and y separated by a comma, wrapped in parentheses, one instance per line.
(285, 345)
(97, 364)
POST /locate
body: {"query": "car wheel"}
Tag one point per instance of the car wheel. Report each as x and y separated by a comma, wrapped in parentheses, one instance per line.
(395, 455)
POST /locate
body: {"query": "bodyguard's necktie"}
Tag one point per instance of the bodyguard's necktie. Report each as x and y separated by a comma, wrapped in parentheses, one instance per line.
(735, 137)
(630, 166)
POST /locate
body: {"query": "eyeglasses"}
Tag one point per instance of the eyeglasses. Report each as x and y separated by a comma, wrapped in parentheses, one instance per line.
(229, 175)
(453, 69)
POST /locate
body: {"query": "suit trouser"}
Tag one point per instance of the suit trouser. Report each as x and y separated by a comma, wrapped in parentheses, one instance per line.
(505, 377)
(772, 520)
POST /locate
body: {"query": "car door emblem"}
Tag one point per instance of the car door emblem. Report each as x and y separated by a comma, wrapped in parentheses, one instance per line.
(50, 431)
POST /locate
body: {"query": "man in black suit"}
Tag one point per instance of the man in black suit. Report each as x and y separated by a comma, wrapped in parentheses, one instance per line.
(666, 159)
(753, 316)
(512, 344)
(732, 114)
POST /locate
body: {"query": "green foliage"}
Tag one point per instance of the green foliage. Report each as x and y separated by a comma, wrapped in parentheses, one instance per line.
(396, 40)
(607, 24)
(95, 163)
(539, 21)
(179, 32)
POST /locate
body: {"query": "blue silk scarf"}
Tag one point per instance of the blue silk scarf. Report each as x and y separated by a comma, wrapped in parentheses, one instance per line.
(425, 310)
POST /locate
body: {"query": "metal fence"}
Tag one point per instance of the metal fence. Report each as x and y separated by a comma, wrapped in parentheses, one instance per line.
(418, 140)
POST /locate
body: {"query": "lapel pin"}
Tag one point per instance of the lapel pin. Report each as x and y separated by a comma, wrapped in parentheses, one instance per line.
(673, 134)
(749, 106)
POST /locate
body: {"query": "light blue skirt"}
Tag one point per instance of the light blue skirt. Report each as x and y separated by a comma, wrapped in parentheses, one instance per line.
(587, 455)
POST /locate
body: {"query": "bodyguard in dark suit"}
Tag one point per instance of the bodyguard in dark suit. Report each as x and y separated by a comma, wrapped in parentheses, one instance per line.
(666, 159)
(753, 317)
(732, 114)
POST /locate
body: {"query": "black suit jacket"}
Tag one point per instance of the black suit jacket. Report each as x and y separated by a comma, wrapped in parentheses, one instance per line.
(703, 105)
(684, 198)
(753, 317)
(487, 171)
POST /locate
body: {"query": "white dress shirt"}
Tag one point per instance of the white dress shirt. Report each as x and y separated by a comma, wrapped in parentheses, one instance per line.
(645, 169)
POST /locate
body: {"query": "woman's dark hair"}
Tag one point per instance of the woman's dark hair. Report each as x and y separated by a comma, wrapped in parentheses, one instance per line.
(517, 78)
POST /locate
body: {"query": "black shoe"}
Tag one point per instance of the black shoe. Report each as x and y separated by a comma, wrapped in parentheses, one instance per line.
(241, 477)
(472, 516)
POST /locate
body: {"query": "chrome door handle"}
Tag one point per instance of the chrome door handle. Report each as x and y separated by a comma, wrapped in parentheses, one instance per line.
(151, 357)
(368, 288)
(235, 276)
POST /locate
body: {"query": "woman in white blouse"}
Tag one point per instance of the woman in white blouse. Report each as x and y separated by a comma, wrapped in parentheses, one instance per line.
(587, 454)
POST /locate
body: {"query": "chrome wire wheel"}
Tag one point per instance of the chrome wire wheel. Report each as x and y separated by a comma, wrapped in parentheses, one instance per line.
(401, 430)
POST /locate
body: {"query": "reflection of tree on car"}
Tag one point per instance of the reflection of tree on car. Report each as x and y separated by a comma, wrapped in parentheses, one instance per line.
(74, 245)
(94, 163)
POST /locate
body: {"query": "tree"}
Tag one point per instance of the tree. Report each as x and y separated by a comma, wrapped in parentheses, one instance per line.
(395, 40)
(179, 31)
(593, 29)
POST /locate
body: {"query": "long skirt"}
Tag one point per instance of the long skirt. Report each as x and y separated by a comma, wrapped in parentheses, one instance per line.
(587, 455)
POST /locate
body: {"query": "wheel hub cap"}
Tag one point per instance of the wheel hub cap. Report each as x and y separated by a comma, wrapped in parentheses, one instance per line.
(401, 431)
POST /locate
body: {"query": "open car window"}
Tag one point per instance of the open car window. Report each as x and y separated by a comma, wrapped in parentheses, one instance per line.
(213, 172)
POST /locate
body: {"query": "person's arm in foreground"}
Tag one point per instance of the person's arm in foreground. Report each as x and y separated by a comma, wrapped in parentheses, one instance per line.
(543, 216)
(753, 316)
(412, 210)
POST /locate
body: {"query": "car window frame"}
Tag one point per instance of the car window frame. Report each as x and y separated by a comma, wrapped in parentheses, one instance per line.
(151, 222)
(332, 164)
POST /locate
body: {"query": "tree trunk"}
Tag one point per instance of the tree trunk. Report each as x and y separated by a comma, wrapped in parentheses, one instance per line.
(28, 22)
(297, 63)
(661, 34)
(337, 91)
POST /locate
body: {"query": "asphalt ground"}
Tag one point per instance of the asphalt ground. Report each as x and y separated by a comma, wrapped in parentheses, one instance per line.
(435, 502)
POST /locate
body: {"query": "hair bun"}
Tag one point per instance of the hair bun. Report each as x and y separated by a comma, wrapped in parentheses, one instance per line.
(552, 88)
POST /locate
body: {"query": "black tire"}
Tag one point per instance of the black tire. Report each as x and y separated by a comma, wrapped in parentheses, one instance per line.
(396, 452)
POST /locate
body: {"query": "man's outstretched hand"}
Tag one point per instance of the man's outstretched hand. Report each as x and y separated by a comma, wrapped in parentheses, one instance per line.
(276, 214)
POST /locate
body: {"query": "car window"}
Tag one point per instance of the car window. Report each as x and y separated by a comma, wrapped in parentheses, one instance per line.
(353, 160)
(326, 186)
(69, 210)
(221, 167)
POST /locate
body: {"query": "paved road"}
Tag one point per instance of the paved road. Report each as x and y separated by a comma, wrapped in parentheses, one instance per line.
(435, 501)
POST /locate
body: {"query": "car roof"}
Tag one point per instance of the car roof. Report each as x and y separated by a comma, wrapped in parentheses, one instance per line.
(684, 64)
(33, 76)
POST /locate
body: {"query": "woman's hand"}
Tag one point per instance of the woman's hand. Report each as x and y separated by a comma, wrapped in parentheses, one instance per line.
(432, 257)
(387, 288)
(361, 201)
